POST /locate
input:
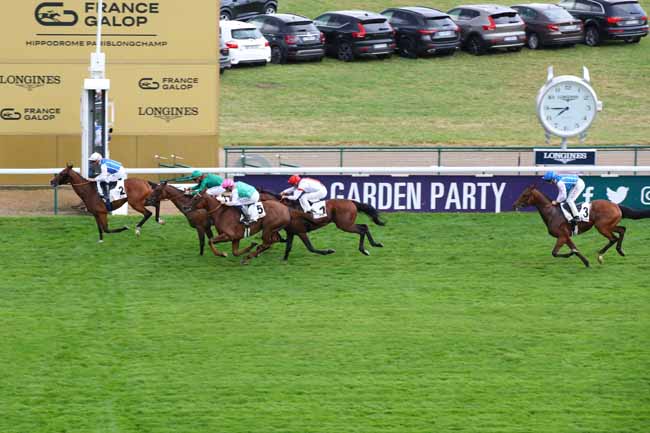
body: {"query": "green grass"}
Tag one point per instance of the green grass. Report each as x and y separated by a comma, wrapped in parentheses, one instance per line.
(450, 100)
(461, 323)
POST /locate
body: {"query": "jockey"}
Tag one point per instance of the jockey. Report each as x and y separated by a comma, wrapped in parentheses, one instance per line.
(305, 190)
(211, 182)
(570, 187)
(242, 195)
(111, 172)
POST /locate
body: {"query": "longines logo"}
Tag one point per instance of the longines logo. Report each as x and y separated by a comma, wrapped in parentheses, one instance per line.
(168, 83)
(568, 98)
(30, 113)
(168, 113)
(116, 14)
(30, 82)
(565, 157)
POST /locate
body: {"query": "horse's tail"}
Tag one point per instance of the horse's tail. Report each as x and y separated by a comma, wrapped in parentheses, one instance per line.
(370, 211)
(634, 214)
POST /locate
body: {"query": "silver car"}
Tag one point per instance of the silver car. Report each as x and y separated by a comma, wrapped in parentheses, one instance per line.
(486, 27)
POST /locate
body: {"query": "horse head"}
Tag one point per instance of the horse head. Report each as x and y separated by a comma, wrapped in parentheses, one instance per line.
(527, 198)
(63, 177)
(157, 195)
(199, 201)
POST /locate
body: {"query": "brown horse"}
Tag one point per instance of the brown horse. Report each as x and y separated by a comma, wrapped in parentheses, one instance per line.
(604, 215)
(341, 212)
(198, 218)
(137, 190)
(226, 220)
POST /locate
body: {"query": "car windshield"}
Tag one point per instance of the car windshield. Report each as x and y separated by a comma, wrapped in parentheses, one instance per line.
(246, 34)
(440, 22)
(505, 18)
(631, 8)
(558, 14)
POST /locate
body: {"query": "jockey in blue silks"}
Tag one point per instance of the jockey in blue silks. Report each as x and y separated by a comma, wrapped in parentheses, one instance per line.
(569, 186)
(111, 171)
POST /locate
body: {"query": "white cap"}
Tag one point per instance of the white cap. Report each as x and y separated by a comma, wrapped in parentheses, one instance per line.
(95, 157)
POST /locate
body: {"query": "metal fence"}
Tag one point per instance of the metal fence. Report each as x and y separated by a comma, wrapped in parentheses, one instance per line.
(346, 156)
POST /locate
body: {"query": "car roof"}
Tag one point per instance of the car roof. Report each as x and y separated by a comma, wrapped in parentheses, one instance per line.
(357, 14)
(491, 8)
(539, 6)
(236, 24)
(287, 18)
(421, 10)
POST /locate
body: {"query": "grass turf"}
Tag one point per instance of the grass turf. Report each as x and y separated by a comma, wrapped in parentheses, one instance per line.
(462, 99)
(461, 323)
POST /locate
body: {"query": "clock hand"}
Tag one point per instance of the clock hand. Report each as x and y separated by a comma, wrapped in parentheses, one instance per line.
(557, 108)
(563, 111)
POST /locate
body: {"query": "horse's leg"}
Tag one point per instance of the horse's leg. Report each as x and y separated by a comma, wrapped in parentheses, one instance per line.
(201, 234)
(605, 231)
(144, 211)
(100, 228)
(305, 240)
(371, 240)
(287, 246)
(104, 221)
(268, 238)
(574, 249)
(558, 245)
(158, 219)
(621, 234)
(237, 252)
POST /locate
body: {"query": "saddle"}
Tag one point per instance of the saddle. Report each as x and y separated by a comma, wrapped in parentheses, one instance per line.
(584, 210)
(319, 209)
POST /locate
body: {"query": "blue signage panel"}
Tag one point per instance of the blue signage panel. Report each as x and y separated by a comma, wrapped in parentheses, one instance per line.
(565, 157)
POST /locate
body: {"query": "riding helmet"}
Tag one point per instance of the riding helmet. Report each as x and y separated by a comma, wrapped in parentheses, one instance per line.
(549, 176)
(294, 180)
(95, 157)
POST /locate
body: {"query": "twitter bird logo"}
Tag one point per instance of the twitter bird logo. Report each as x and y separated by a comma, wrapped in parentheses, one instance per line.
(619, 195)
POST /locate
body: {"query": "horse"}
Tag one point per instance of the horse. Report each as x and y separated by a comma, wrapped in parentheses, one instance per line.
(604, 215)
(343, 213)
(197, 219)
(137, 191)
(226, 219)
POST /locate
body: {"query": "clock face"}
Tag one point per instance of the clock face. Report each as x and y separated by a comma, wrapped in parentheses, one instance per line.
(567, 108)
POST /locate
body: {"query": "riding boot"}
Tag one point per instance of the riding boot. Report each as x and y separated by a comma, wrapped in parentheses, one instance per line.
(106, 195)
(245, 220)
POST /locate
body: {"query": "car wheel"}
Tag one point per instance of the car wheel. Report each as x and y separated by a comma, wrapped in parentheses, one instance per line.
(270, 9)
(475, 45)
(592, 37)
(632, 40)
(533, 41)
(225, 16)
(406, 48)
(345, 52)
(277, 56)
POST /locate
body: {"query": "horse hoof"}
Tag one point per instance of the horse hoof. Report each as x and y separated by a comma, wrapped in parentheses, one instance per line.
(161, 222)
(101, 241)
(244, 262)
(365, 252)
(621, 253)
(600, 259)
(137, 232)
(330, 251)
(224, 254)
(379, 245)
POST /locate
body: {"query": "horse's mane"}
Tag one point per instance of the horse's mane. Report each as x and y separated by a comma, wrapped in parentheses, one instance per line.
(536, 188)
(274, 194)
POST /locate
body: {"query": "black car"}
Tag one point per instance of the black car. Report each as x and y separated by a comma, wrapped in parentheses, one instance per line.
(352, 34)
(548, 24)
(609, 19)
(242, 9)
(420, 30)
(291, 37)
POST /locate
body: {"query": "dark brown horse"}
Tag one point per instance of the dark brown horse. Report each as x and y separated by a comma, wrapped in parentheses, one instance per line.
(604, 215)
(137, 190)
(198, 218)
(226, 219)
(343, 213)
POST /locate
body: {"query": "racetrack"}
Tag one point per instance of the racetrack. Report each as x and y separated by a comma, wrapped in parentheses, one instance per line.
(461, 323)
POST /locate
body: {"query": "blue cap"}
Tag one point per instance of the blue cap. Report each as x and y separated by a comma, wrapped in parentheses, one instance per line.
(549, 176)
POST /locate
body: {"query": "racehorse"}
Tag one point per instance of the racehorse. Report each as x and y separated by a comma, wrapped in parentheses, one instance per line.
(198, 218)
(137, 191)
(341, 212)
(604, 215)
(226, 219)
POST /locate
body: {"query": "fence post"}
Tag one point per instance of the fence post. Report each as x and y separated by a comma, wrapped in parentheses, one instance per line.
(56, 201)
(636, 158)
(341, 157)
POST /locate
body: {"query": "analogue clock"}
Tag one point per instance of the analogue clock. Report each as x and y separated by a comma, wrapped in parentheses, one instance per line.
(567, 105)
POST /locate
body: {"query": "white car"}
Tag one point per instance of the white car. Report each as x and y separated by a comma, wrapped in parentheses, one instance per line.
(245, 43)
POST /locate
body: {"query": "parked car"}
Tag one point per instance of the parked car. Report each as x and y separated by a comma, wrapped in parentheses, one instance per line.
(353, 34)
(609, 19)
(420, 30)
(242, 9)
(486, 27)
(245, 43)
(548, 24)
(224, 54)
(291, 37)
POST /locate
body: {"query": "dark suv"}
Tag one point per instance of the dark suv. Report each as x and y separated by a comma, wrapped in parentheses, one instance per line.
(242, 9)
(548, 24)
(609, 19)
(352, 34)
(291, 37)
(420, 30)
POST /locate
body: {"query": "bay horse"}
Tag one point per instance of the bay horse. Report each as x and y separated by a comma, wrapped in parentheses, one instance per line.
(197, 219)
(226, 219)
(342, 212)
(137, 190)
(604, 215)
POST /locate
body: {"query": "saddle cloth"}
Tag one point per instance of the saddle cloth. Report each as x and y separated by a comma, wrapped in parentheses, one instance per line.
(255, 212)
(584, 210)
(117, 190)
(319, 209)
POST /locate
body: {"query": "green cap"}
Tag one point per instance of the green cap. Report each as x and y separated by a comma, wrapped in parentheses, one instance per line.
(196, 173)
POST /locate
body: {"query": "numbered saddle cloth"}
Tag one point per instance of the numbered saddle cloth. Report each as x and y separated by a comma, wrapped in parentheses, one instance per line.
(255, 211)
(319, 209)
(584, 210)
(117, 192)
